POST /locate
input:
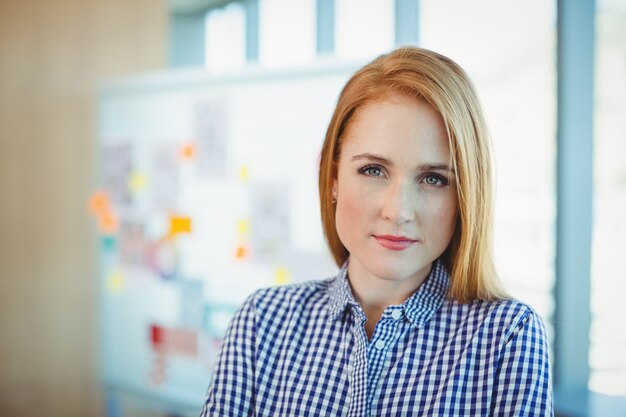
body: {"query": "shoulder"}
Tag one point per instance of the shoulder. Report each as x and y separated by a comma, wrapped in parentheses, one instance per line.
(501, 320)
(276, 316)
(520, 328)
(505, 311)
(509, 311)
(513, 317)
(279, 299)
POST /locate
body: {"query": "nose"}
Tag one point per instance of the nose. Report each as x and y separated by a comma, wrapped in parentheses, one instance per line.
(399, 202)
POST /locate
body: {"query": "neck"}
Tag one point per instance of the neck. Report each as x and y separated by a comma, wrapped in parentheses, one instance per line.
(374, 294)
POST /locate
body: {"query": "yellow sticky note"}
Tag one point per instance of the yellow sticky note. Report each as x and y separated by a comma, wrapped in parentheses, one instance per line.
(282, 276)
(179, 225)
(137, 182)
(243, 226)
(115, 282)
(188, 151)
(243, 173)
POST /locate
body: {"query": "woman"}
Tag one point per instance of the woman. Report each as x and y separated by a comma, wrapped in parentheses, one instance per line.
(416, 322)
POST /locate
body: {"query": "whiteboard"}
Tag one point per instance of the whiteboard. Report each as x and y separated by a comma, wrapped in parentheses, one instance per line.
(207, 191)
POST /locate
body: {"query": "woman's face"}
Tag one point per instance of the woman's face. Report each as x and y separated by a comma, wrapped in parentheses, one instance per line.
(395, 190)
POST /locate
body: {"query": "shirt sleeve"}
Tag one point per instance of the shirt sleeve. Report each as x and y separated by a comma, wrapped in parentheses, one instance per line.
(231, 391)
(523, 386)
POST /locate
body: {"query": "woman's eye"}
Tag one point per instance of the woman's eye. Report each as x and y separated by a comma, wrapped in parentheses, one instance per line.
(435, 180)
(372, 171)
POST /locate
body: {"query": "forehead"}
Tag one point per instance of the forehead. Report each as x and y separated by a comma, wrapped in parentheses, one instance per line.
(397, 125)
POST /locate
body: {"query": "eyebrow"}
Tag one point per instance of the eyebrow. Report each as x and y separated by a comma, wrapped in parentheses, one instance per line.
(436, 167)
(372, 157)
(384, 161)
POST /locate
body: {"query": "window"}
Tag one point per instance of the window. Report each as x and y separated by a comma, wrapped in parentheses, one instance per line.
(508, 49)
(608, 286)
(225, 38)
(286, 32)
(363, 28)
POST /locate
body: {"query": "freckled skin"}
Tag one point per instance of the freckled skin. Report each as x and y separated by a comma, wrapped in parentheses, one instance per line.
(386, 185)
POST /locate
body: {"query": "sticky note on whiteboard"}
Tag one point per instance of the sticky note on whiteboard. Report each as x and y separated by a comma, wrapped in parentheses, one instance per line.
(241, 253)
(243, 226)
(188, 151)
(244, 174)
(108, 223)
(282, 276)
(108, 242)
(115, 282)
(100, 207)
(179, 225)
(137, 182)
(98, 203)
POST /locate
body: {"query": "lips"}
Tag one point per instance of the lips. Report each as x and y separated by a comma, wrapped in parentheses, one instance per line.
(395, 242)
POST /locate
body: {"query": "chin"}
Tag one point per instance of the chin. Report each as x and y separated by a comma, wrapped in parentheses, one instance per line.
(390, 272)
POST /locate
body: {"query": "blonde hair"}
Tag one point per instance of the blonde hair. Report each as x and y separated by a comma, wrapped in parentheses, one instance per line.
(439, 81)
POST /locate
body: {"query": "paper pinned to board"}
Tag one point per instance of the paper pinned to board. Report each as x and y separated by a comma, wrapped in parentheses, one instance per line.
(137, 182)
(188, 151)
(178, 341)
(100, 206)
(244, 173)
(282, 276)
(98, 202)
(115, 282)
(192, 303)
(108, 223)
(211, 133)
(108, 242)
(242, 252)
(162, 258)
(243, 227)
(117, 166)
(165, 179)
(179, 224)
(270, 219)
(133, 243)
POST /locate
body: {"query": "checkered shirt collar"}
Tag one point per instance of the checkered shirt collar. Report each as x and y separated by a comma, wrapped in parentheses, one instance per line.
(419, 308)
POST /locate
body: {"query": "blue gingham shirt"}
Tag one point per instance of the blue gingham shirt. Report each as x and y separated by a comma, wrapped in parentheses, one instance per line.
(301, 350)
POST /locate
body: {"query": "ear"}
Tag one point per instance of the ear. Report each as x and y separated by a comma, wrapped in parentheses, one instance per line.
(335, 189)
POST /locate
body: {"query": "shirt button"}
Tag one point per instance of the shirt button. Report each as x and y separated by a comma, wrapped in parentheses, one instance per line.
(396, 314)
(379, 345)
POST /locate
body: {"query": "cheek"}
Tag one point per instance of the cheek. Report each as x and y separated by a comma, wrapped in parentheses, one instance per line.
(442, 218)
(352, 214)
(347, 211)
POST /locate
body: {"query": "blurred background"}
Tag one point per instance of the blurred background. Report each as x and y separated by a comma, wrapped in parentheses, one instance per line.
(158, 163)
